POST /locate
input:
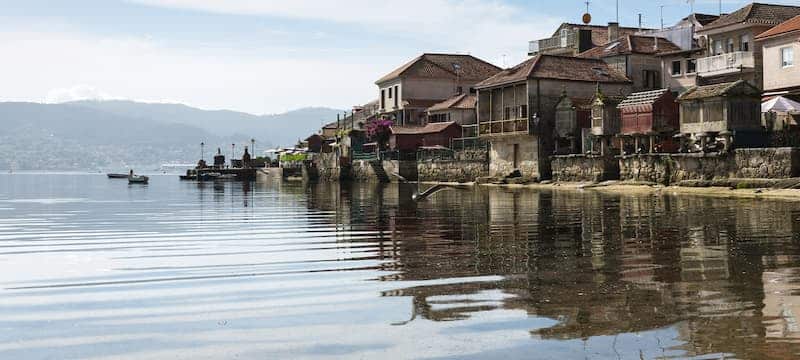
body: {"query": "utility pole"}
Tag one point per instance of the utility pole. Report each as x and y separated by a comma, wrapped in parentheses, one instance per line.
(662, 17)
(640, 21)
(253, 147)
(691, 6)
(202, 151)
(617, 11)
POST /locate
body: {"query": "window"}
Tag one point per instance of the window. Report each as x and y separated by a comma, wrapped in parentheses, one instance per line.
(459, 90)
(718, 47)
(787, 56)
(507, 113)
(523, 111)
(744, 42)
(396, 96)
(730, 45)
(691, 66)
(676, 67)
(390, 93)
(650, 80)
(383, 99)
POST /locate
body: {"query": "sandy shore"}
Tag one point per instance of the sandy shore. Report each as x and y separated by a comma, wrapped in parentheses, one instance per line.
(623, 188)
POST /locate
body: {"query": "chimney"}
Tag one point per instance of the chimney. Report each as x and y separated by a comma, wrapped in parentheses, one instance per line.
(613, 31)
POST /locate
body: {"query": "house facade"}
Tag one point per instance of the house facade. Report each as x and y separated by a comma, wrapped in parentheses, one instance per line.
(406, 93)
(411, 138)
(780, 47)
(731, 51)
(636, 57)
(517, 108)
(460, 109)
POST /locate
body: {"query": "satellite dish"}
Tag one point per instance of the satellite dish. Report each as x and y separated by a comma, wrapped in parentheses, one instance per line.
(587, 18)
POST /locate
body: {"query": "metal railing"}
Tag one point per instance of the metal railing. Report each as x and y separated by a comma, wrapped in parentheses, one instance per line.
(724, 63)
(468, 143)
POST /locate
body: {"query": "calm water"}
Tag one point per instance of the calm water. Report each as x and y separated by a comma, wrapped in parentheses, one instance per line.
(95, 268)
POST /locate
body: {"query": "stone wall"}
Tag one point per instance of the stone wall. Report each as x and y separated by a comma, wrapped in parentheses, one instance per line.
(327, 167)
(452, 170)
(405, 168)
(362, 171)
(501, 156)
(762, 163)
(579, 167)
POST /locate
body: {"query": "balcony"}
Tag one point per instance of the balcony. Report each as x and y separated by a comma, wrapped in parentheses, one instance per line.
(725, 63)
(554, 45)
(505, 127)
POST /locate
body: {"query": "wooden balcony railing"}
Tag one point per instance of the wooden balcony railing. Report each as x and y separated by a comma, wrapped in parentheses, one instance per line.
(505, 127)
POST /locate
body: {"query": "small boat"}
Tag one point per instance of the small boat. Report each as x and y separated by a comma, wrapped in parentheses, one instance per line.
(117, 176)
(209, 176)
(138, 179)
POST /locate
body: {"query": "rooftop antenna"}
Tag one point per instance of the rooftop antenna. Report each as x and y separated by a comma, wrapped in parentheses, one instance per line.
(662, 17)
(691, 6)
(587, 17)
(720, 7)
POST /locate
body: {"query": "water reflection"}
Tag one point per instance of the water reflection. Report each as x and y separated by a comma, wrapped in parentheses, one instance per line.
(721, 273)
(362, 271)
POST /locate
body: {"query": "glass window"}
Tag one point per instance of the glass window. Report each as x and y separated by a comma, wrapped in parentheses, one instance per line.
(718, 47)
(390, 93)
(676, 67)
(730, 45)
(744, 42)
(787, 56)
(691, 66)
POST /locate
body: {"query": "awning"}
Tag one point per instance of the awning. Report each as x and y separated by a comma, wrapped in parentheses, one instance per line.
(780, 104)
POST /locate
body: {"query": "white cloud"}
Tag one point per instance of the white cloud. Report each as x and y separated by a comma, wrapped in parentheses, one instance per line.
(47, 65)
(489, 29)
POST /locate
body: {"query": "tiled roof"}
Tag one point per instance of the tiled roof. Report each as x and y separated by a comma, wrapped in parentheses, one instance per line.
(431, 128)
(332, 125)
(463, 101)
(419, 103)
(643, 98)
(705, 19)
(631, 44)
(737, 87)
(756, 14)
(787, 26)
(559, 68)
(466, 67)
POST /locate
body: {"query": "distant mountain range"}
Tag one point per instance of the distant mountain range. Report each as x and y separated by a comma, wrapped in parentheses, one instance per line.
(100, 135)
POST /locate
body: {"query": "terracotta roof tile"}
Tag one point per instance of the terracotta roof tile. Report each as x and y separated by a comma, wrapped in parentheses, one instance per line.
(463, 101)
(631, 44)
(787, 26)
(559, 68)
(756, 14)
(431, 128)
(466, 67)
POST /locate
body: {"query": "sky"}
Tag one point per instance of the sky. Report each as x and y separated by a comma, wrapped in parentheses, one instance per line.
(266, 57)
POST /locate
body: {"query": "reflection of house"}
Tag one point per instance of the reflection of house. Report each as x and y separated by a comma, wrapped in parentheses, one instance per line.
(780, 50)
(732, 55)
(721, 109)
(636, 57)
(406, 138)
(408, 91)
(516, 108)
(459, 109)
(650, 118)
(572, 39)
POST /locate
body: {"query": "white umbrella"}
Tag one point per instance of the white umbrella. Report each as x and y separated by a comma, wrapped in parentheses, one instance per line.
(780, 104)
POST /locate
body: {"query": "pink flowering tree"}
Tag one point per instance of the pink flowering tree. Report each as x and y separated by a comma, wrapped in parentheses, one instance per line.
(379, 131)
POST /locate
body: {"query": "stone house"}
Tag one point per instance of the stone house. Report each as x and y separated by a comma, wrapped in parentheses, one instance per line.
(573, 39)
(732, 54)
(459, 109)
(780, 48)
(573, 120)
(730, 110)
(635, 56)
(406, 93)
(517, 108)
